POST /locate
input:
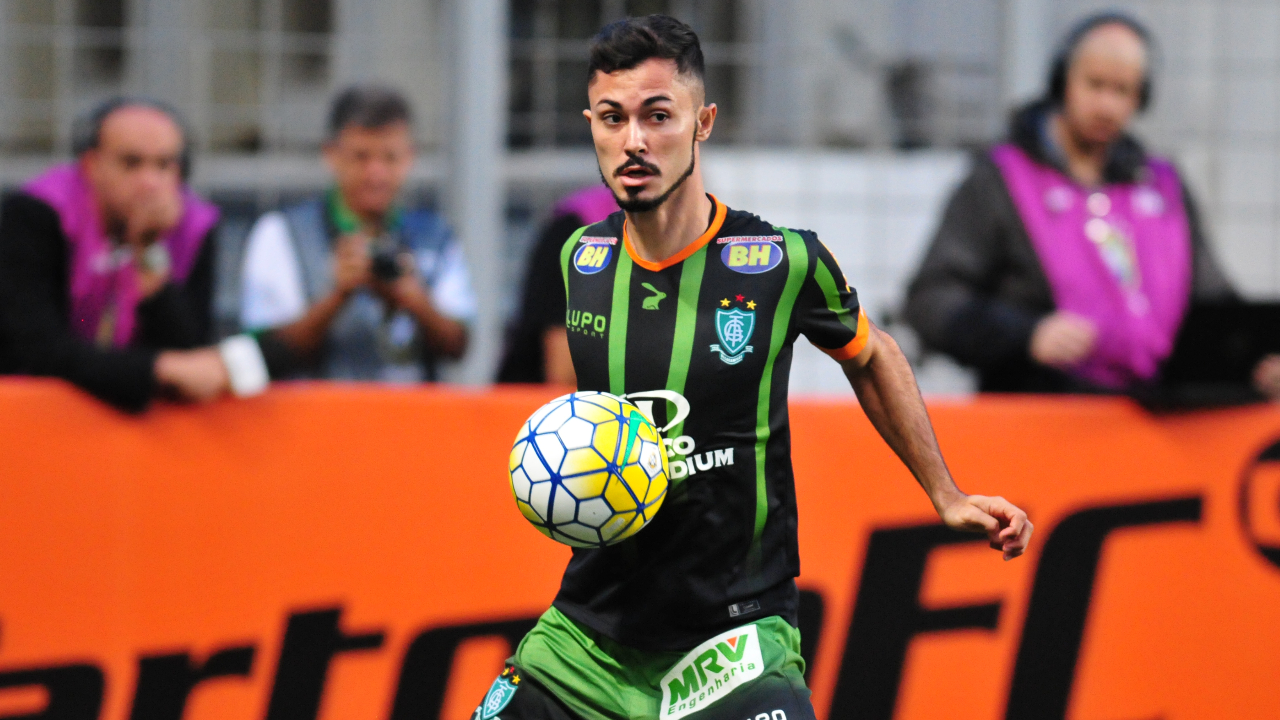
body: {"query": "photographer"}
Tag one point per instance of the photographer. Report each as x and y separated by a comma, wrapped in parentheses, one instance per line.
(359, 287)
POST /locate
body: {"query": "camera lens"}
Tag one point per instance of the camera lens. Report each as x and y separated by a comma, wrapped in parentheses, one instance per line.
(385, 255)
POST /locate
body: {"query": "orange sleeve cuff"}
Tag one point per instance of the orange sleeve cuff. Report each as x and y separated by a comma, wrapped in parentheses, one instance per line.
(855, 345)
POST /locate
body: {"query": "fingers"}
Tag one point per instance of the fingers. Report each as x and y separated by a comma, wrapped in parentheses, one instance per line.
(1009, 529)
(1266, 376)
(969, 515)
(1017, 527)
(1063, 339)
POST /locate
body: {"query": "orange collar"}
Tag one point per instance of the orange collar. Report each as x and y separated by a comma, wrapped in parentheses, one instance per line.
(689, 249)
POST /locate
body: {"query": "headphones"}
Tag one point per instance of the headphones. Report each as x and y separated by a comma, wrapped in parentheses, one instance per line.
(86, 133)
(1067, 49)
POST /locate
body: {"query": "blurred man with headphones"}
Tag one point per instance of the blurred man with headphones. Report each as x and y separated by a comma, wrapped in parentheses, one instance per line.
(106, 268)
(1066, 261)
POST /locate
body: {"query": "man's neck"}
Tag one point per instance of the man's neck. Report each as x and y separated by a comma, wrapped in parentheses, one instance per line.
(348, 219)
(1085, 161)
(663, 232)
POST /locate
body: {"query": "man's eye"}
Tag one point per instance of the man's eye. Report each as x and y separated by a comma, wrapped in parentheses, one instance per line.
(131, 162)
(659, 117)
(612, 118)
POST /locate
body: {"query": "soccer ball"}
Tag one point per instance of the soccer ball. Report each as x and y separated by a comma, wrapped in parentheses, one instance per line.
(588, 469)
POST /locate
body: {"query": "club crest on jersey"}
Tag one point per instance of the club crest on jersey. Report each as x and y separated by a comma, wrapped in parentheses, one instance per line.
(499, 695)
(751, 254)
(594, 255)
(734, 328)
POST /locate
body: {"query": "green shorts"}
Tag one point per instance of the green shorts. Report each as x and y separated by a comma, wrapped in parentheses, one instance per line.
(750, 671)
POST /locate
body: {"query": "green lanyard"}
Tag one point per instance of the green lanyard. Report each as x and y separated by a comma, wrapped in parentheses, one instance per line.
(347, 222)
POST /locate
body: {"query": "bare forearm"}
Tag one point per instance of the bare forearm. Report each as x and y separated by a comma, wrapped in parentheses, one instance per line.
(306, 334)
(887, 390)
(445, 336)
(558, 361)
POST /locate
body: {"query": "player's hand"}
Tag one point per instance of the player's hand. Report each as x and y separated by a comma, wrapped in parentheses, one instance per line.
(1063, 339)
(1005, 525)
(352, 266)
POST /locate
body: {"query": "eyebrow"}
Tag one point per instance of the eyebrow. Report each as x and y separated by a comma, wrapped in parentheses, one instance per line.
(648, 101)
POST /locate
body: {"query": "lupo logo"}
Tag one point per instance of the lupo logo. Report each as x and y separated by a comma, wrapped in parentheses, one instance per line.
(1260, 503)
(589, 324)
(710, 671)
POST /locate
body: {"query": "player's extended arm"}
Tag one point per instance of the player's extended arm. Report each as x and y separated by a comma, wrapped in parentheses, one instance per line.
(887, 390)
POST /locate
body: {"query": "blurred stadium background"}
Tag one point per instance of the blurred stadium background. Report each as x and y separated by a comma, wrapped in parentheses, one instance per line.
(852, 117)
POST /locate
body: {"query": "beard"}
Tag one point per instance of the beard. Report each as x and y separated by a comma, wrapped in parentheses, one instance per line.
(632, 204)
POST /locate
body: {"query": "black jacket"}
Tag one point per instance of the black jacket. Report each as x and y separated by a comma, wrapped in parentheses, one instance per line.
(981, 288)
(35, 332)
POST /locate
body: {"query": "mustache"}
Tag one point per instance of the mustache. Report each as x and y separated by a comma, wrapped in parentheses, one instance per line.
(634, 160)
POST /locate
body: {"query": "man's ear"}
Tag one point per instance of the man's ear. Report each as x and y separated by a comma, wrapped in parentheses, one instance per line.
(329, 151)
(706, 121)
(88, 161)
(587, 114)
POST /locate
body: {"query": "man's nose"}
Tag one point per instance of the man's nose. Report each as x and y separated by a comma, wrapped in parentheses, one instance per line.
(154, 176)
(636, 143)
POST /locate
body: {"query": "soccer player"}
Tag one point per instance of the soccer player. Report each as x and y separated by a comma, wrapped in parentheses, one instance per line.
(690, 309)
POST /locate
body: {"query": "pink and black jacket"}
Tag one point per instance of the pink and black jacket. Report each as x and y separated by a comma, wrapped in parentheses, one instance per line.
(1020, 239)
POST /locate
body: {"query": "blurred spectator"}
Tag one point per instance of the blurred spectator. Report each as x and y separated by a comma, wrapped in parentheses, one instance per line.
(106, 268)
(359, 287)
(537, 343)
(1066, 260)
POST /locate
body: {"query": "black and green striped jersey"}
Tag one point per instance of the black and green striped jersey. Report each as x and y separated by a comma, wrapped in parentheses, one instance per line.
(702, 342)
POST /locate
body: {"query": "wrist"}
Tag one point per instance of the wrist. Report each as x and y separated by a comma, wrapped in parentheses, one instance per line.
(944, 499)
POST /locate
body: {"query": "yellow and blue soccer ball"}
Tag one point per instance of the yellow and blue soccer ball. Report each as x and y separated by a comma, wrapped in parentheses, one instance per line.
(588, 469)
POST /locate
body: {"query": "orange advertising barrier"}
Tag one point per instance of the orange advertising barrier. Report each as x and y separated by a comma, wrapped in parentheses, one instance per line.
(335, 552)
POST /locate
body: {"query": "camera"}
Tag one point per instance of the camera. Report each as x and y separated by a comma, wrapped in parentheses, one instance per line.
(385, 253)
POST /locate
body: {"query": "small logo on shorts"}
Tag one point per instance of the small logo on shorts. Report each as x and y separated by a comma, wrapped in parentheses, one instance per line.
(710, 671)
(499, 695)
(744, 608)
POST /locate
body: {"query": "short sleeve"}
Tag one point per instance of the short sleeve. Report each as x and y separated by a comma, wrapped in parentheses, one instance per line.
(271, 281)
(827, 310)
(451, 289)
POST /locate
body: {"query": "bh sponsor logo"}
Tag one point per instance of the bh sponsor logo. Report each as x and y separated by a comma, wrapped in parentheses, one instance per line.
(585, 323)
(682, 445)
(752, 254)
(711, 671)
(594, 255)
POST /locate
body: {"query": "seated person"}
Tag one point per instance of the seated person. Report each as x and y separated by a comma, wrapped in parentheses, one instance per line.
(1066, 261)
(537, 342)
(357, 286)
(106, 269)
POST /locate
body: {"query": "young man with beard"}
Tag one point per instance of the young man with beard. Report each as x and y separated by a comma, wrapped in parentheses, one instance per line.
(695, 616)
